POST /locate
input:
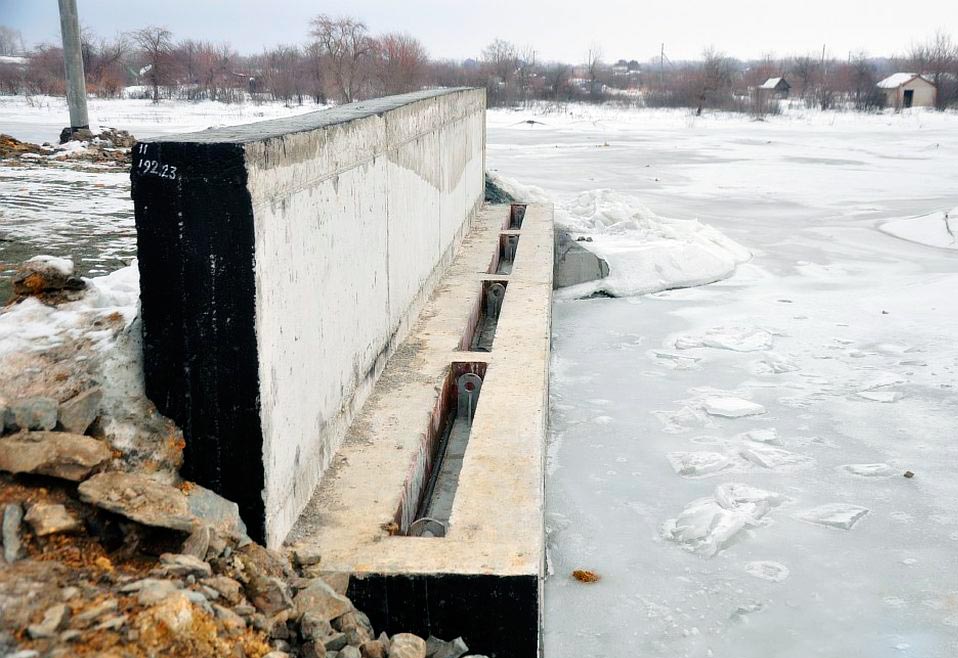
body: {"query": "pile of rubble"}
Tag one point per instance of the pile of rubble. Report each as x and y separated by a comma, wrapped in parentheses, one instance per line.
(107, 552)
(109, 146)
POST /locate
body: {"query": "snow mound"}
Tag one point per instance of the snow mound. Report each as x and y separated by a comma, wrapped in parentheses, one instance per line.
(881, 396)
(62, 266)
(731, 407)
(709, 525)
(646, 252)
(735, 339)
(835, 515)
(937, 229)
(775, 572)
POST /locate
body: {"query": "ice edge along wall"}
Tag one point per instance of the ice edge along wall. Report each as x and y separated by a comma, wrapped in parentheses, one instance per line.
(280, 264)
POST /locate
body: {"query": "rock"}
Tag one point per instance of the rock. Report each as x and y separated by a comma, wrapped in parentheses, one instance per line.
(356, 636)
(372, 649)
(320, 599)
(228, 588)
(151, 590)
(352, 620)
(260, 561)
(337, 580)
(53, 620)
(12, 516)
(25, 653)
(574, 264)
(46, 274)
(269, 595)
(305, 555)
(48, 519)
(140, 498)
(39, 413)
(69, 636)
(198, 543)
(276, 654)
(75, 134)
(350, 652)
(231, 621)
(175, 613)
(407, 645)
(213, 509)
(57, 454)
(278, 630)
(87, 617)
(78, 413)
(313, 627)
(118, 138)
(313, 650)
(436, 648)
(176, 564)
(111, 623)
(335, 642)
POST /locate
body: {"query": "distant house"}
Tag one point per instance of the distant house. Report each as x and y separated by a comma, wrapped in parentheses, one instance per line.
(775, 88)
(904, 90)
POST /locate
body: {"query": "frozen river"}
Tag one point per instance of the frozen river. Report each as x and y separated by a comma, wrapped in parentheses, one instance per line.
(730, 457)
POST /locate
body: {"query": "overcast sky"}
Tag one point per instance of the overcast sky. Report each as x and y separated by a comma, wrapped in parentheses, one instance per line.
(557, 29)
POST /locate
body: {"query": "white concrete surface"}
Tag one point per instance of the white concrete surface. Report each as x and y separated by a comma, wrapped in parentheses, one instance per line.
(354, 222)
(496, 526)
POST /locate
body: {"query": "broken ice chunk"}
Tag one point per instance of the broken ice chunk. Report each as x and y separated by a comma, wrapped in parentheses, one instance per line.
(698, 464)
(737, 339)
(769, 436)
(881, 396)
(732, 407)
(835, 515)
(870, 470)
(768, 570)
(774, 458)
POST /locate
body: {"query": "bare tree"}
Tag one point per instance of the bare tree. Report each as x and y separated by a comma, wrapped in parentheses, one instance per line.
(156, 45)
(803, 71)
(400, 63)
(346, 44)
(937, 59)
(499, 61)
(11, 41)
(593, 67)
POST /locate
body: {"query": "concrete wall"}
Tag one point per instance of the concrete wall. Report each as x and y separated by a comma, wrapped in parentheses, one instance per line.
(355, 212)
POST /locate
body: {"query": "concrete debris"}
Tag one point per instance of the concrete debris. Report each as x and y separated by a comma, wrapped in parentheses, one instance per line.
(78, 413)
(574, 264)
(57, 454)
(48, 519)
(140, 498)
(12, 516)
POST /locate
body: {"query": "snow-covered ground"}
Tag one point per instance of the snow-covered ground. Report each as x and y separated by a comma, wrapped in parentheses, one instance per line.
(80, 210)
(730, 457)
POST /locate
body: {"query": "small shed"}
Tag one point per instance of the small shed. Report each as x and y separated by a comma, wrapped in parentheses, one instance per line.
(904, 90)
(775, 88)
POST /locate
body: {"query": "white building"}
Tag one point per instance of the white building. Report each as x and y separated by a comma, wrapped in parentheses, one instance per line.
(904, 90)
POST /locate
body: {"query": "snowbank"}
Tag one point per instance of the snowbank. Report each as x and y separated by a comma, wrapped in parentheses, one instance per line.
(32, 325)
(646, 252)
(937, 229)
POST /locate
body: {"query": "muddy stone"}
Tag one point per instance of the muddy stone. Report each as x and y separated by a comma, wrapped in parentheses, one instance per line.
(140, 498)
(48, 519)
(57, 454)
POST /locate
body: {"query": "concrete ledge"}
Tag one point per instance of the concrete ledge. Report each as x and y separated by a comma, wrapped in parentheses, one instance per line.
(492, 555)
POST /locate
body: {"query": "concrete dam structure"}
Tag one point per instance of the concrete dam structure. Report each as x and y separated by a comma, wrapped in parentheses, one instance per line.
(357, 351)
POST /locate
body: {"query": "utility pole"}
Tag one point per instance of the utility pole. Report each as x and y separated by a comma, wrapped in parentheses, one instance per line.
(73, 61)
(662, 66)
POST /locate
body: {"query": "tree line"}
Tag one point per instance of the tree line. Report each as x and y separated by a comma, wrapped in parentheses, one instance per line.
(342, 61)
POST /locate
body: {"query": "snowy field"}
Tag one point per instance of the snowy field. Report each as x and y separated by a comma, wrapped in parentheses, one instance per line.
(81, 210)
(730, 457)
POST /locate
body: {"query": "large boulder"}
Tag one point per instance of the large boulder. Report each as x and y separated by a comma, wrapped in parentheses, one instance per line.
(57, 454)
(321, 600)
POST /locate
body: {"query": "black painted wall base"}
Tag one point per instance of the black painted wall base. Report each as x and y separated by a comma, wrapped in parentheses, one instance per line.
(497, 616)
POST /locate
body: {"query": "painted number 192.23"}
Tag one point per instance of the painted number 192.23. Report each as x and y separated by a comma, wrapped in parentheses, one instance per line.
(155, 167)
